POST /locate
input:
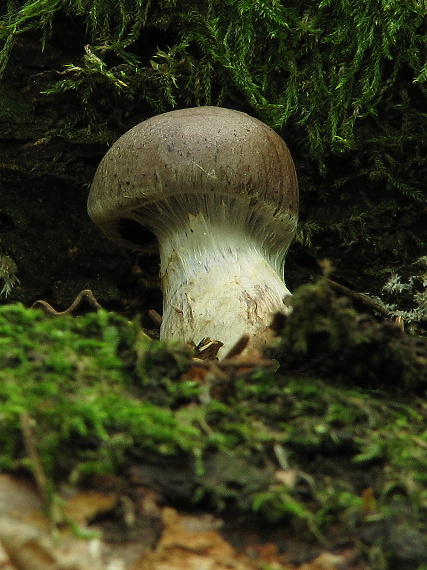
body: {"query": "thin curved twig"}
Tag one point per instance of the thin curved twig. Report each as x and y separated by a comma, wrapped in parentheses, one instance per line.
(86, 295)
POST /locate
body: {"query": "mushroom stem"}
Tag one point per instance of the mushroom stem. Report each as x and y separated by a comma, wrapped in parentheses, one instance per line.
(218, 282)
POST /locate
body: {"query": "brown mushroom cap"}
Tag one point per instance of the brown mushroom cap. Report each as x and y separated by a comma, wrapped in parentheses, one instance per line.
(218, 154)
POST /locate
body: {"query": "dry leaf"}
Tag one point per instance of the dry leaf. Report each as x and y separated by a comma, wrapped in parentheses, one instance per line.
(85, 506)
(33, 549)
(327, 561)
(5, 561)
(189, 544)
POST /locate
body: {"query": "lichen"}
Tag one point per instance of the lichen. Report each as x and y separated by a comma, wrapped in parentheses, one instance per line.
(407, 299)
(8, 271)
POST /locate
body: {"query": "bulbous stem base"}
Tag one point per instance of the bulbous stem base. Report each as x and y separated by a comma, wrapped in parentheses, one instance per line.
(218, 284)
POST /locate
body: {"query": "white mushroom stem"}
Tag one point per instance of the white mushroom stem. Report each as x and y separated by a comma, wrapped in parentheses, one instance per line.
(218, 283)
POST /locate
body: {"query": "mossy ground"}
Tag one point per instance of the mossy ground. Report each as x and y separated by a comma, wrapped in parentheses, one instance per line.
(322, 449)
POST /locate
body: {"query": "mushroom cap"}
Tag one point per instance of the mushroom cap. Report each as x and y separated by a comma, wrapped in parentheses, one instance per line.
(203, 151)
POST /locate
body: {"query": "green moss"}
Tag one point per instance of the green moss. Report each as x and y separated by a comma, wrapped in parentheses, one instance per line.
(343, 82)
(13, 106)
(327, 67)
(73, 377)
(292, 446)
(325, 335)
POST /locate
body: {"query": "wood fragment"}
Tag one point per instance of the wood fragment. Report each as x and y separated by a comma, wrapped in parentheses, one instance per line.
(31, 449)
(207, 349)
(358, 297)
(238, 347)
(155, 317)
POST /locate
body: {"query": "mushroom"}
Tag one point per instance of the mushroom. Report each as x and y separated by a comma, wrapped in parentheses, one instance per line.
(215, 191)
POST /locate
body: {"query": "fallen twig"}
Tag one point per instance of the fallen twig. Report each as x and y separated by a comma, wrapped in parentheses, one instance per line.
(86, 294)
